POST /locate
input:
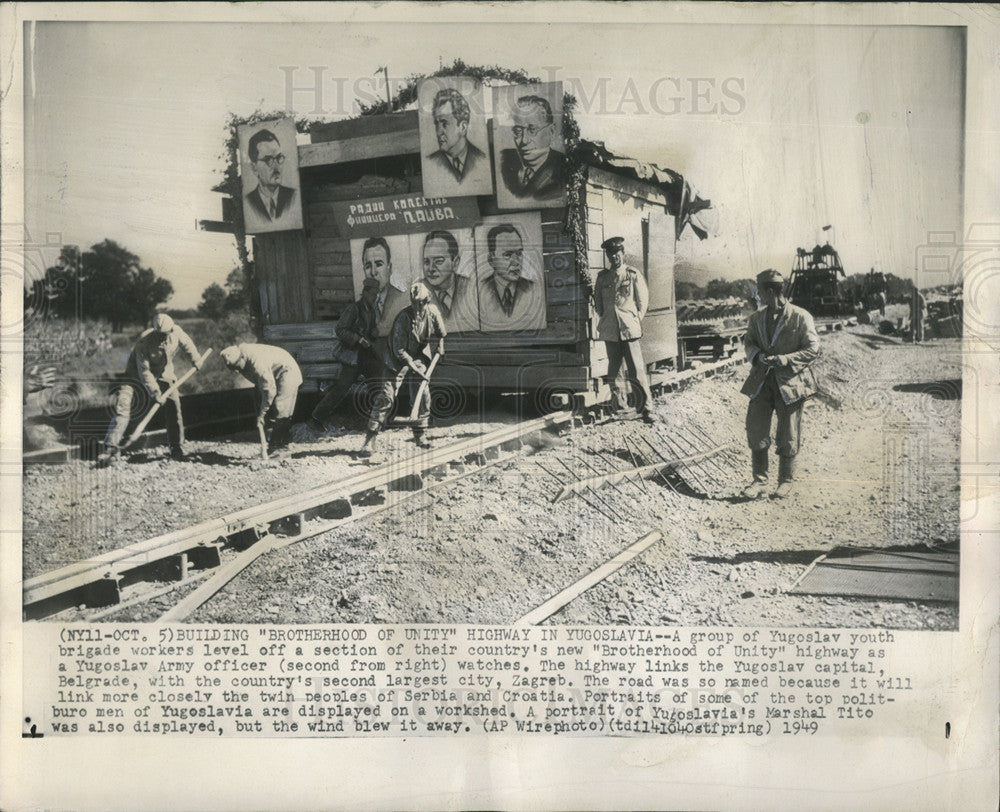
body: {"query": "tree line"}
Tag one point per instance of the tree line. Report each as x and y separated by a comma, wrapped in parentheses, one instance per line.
(109, 282)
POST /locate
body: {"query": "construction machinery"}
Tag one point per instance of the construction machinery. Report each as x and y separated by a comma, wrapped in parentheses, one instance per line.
(814, 283)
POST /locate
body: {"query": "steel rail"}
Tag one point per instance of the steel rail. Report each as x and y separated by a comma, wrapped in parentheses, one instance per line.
(111, 564)
(225, 573)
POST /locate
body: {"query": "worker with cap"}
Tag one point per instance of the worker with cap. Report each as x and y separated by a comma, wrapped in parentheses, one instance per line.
(354, 348)
(277, 378)
(620, 299)
(781, 343)
(413, 331)
(149, 373)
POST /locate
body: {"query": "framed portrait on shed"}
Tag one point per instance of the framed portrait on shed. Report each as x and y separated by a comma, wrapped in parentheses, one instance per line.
(445, 261)
(453, 137)
(509, 276)
(387, 259)
(528, 148)
(269, 169)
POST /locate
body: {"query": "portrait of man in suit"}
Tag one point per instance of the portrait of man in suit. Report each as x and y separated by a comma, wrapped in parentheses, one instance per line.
(376, 262)
(455, 153)
(271, 205)
(453, 132)
(532, 172)
(450, 290)
(508, 299)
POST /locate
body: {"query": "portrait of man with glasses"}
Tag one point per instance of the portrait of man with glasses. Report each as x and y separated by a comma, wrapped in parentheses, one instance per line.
(533, 171)
(271, 205)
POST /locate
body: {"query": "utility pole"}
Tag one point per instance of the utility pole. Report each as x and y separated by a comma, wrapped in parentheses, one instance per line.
(384, 70)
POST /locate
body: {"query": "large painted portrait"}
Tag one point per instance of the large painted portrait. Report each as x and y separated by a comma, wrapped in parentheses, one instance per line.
(386, 259)
(269, 168)
(528, 149)
(445, 261)
(509, 273)
(453, 138)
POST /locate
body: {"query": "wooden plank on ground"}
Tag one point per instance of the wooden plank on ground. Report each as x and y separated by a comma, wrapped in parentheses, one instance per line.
(560, 600)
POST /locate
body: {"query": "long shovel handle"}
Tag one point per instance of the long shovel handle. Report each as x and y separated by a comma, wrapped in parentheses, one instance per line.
(424, 385)
(263, 441)
(156, 406)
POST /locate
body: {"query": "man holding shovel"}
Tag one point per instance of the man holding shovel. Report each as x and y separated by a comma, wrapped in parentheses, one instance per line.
(277, 378)
(412, 332)
(150, 373)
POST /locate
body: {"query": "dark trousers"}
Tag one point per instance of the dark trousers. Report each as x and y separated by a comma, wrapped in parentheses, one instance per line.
(367, 365)
(392, 382)
(132, 393)
(759, 412)
(635, 367)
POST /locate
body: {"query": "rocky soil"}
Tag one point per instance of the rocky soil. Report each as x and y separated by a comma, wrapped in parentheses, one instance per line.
(878, 468)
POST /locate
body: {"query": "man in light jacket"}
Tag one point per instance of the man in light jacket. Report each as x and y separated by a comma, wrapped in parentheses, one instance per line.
(277, 378)
(781, 343)
(620, 299)
(148, 375)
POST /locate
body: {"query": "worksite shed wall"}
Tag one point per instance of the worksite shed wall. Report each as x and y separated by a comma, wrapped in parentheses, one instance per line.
(305, 277)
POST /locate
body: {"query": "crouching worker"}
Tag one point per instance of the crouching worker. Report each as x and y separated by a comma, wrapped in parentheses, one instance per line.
(416, 327)
(149, 373)
(781, 343)
(277, 378)
(354, 349)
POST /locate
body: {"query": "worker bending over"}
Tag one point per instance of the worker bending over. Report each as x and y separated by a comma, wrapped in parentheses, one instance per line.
(277, 378)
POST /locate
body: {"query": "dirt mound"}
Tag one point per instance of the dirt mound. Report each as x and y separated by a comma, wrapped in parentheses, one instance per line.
(878, 468)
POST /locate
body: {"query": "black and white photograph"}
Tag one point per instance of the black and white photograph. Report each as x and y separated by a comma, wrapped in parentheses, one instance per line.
(455, 159)
(528, 149)
(387, 260)
(270, 186)
(471, 379)
(444, 260)
(510, 278)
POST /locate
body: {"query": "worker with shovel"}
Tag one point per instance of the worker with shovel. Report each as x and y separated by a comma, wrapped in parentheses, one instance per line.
(150, 374)
(277, 378)
(414, 329)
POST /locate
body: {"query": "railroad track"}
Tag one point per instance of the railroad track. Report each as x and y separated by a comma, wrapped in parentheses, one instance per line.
(106, 581)
(213, 549)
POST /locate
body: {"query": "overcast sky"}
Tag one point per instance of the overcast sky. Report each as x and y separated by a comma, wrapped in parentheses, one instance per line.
(784, 128)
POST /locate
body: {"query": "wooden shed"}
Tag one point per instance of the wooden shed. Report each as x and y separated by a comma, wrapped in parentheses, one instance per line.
(306, 277)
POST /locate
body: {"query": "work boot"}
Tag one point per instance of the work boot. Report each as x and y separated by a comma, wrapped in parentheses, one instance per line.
(281, 435)
(759, 462)
(315, 425)
(109, 456)
(786, 477)
(368, 447)
(647, 417)
(421, 440)
(178, 454)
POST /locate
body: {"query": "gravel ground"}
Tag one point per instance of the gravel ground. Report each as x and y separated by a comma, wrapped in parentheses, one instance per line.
(878, 468)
